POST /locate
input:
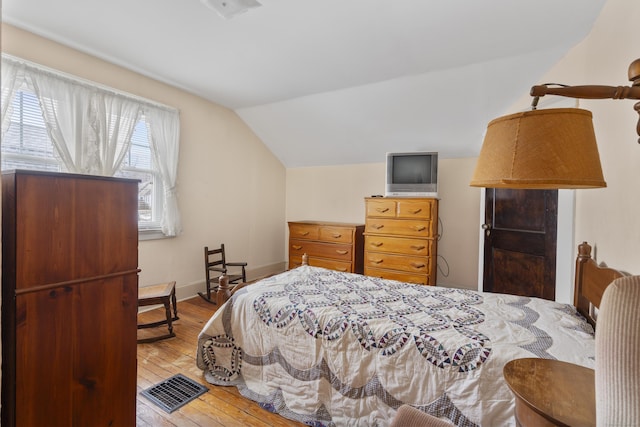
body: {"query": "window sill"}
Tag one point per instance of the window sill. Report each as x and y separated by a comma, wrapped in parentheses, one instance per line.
(151, 235)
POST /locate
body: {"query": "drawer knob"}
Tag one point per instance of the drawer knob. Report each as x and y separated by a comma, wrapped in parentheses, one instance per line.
(376, 244)
(377, 226)
(417, 265)
(342, 252)
(296, 247)
(337, 235)
(382, 210)
(376, 261)
(418, 247)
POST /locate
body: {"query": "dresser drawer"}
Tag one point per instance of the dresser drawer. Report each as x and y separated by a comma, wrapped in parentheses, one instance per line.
(319, 249)
(336, 234)
(343, 266)
(333, 245)
(419, 279)
(404, 263)
(304, 231)
(414, 209)
(398, 227)
(406, 246)
(380, 207)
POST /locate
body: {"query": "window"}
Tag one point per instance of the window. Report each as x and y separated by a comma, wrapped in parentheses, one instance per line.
(26, 144)
(138, 164)
(44, 130)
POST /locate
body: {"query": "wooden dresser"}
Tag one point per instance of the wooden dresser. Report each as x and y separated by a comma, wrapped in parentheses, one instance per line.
(69, 299)
(333, 245)
(401, 239)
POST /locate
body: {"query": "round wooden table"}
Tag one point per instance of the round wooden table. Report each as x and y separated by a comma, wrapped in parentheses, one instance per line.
(551, 392)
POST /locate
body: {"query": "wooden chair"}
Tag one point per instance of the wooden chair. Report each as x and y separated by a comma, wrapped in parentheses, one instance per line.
(216, 265)
(165, 294)
(408, 416)
(617, 371)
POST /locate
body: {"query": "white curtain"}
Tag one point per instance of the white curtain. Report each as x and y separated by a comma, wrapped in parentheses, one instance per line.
(91, 127)
(164, 128)
(114, 122)
(12, 78)
(67, 112)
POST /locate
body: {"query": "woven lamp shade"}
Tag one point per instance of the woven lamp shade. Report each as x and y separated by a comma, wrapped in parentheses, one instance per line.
(540, 149)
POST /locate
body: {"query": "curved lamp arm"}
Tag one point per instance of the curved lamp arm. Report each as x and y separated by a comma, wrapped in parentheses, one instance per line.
(598, 91)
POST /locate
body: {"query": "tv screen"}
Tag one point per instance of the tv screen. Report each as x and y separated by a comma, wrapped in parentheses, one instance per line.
(412, 174)
(412, 169)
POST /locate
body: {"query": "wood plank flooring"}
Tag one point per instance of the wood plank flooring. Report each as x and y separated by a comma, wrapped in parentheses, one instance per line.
(220, 406)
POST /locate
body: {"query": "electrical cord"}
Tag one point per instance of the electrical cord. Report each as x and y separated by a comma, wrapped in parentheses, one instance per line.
(440, 233)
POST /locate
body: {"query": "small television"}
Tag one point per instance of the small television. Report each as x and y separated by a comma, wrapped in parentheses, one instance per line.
(412, 174)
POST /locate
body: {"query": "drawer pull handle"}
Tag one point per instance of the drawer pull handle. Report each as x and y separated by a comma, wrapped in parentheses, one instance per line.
(421, 228)
(382, 210)
(376, 244)
(377, 226)
(296, 247)
(304, 233)
(417, 265)
(337, 235)
(344, 270)
(416, 211)
(418, 247)
(342, 252)
(376, 261)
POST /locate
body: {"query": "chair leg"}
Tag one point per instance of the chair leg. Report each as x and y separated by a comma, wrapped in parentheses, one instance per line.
(168, 322)
(175, 306)
(167, 309)
(207, 297)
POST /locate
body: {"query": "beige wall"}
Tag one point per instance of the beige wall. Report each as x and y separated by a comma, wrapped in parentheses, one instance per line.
(230, 186)
(608, 218)
(336, 193)
(250, 215)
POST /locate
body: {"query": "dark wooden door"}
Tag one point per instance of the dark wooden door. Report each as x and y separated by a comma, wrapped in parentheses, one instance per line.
(520, 235)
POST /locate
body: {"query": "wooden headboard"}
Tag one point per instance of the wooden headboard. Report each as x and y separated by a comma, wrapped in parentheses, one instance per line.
(591, 281)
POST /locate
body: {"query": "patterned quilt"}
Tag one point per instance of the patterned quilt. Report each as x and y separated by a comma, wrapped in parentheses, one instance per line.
(338, 349)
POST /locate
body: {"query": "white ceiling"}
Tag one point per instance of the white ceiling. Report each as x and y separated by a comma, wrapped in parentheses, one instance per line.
(330, 82)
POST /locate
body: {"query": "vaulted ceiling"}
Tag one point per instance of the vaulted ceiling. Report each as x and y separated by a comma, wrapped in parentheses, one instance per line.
(330, 82)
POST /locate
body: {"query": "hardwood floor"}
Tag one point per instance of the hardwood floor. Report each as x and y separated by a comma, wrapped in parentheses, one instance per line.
(220, 406)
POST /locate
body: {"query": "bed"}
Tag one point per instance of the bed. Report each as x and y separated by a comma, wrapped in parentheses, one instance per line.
(328, 348)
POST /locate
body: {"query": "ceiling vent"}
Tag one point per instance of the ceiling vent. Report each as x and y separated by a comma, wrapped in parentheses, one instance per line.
(230, 8)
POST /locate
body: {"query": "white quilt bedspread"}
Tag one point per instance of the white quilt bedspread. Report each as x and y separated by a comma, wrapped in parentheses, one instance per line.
(339, 349)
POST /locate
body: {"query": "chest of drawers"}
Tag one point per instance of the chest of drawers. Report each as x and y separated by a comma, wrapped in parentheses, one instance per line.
(334, 245)
(401, 239)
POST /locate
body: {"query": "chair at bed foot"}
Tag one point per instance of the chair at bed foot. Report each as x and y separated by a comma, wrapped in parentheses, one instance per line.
(408, 416)
(617, 367)
(215, 265)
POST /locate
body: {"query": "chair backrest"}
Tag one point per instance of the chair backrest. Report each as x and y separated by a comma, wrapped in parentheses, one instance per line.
(214, 261)
(214, 257)
(617, 367)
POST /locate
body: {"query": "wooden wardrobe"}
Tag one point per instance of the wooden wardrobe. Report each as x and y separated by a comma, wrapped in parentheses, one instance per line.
(69, 299)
